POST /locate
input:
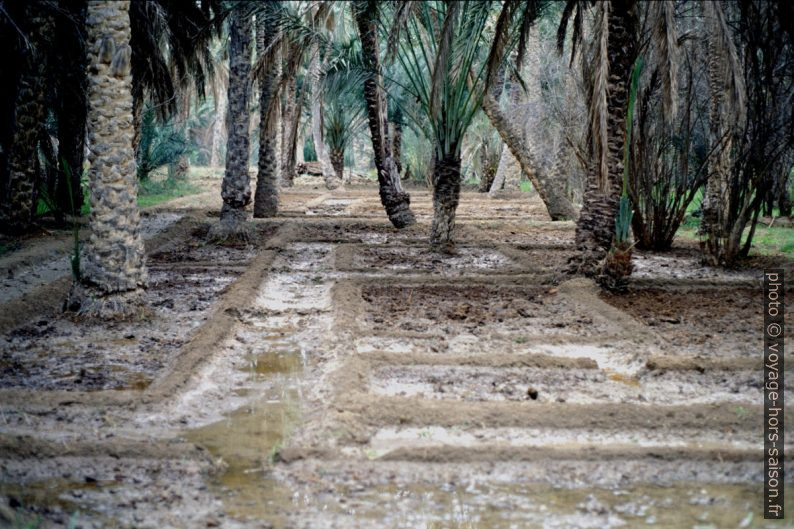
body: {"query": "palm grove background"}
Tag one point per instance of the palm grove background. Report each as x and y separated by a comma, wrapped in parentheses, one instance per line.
(636, 119)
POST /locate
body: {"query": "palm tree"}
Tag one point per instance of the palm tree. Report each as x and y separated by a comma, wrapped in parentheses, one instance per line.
(113, 272)
(315, 75)
(616, 31)
(447, 75)
(726, 109)
(71, 106)
(170, 51)
(19, 182)
(512, 31)
(345, 114)
(394, 199)
(269, 76)
(236, 187)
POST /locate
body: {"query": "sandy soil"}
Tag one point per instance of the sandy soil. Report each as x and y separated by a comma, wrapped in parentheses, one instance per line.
(336, 373)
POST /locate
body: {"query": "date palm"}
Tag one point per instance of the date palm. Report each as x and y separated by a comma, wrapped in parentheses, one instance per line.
(113, 273)
(345, 113)
(269, 77)
(614, 54)
(394, 199)
(442, 58)
(236, 186)
(726, 109)
(20, 168)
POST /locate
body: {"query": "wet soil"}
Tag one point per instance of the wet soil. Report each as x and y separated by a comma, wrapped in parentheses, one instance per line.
(335, 373)
(475, 310)
(422, 259)
(712, 322)
(67, 353)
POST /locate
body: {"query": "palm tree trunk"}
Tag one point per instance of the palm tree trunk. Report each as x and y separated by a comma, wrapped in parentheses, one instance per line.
(595, 229)
(397, 145)
(446, 195)
(113, 273)
(236, 187)
(218, 130)
(315, 73)
(715, 200)
(338, 162)
(394, 199)
(552, 193)
(290, 117)
(16, 212)
(505, 159)
(266, 195)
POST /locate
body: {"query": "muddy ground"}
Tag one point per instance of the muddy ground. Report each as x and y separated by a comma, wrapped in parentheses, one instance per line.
(334, 372)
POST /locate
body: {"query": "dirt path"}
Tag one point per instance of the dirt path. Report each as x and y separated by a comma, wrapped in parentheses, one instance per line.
(336, 373)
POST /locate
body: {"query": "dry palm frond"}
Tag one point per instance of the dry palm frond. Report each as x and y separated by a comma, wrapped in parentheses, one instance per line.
(303, 29)
(171, 49)
(575, 8)
(577, 33)
(562, 30)
(720, 34)
(528, 17)
(666, 46)
(404, 11)
(268, 52)
(501, 40)
(600, 82)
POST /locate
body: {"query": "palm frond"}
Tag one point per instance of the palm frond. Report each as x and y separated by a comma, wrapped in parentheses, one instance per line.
(442, 62)
(598, 111)
(401, 14)
(500, 42)
(666, 47)
(734, 79)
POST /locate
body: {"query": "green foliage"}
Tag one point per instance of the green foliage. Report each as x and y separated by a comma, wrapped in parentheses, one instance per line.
(155, 192)
(768, 240)
(623, 221)
(442, 59)
(625, 211)
(160, 144)
(345, 112)
(635, 77)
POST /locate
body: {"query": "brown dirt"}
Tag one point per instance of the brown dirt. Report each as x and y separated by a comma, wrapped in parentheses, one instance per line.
(338, 374)
(474, 309)
(712, 322)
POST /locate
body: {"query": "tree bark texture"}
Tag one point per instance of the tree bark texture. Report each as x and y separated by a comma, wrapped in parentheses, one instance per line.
(113, 271)
(551, 192)
(596, 226)
(394, 199)
(266, 195)
(236, 186)
(446, 196)
(19, 195)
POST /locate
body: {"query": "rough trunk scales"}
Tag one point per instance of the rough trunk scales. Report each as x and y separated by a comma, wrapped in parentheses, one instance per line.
(236, 187)
(112, 275)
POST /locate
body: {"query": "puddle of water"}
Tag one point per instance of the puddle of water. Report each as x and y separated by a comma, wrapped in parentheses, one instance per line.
(246, 440)
(271, 363)
(421, 259)
(288, 291)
